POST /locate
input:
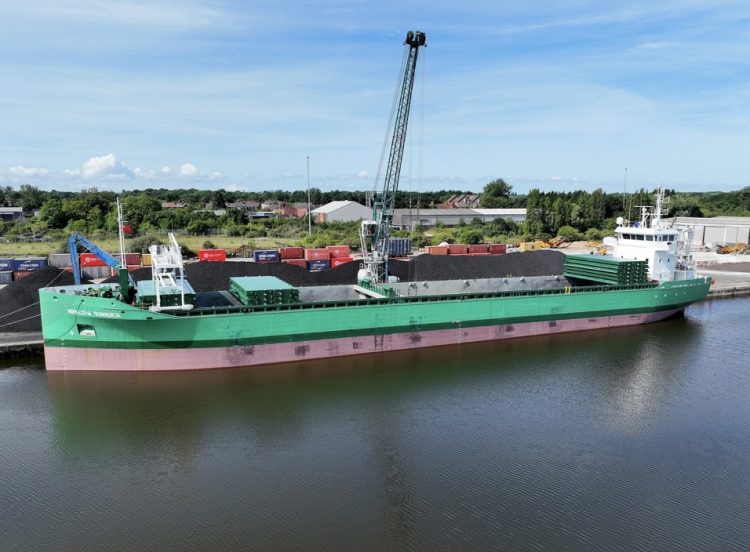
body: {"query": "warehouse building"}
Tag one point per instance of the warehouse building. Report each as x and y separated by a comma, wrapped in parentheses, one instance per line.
(710, 232)
(341, 211)
(429, 218)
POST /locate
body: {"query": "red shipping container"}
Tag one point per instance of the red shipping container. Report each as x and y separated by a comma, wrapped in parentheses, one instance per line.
(296, 262)
(89, 259)
(339, 250)
(317, 254)
(292, 253)
(131, 268)
(336, 261)
(19, 275)
(479, 248)
(497, 248)
(436, 250)
(212, 255)
(131, 259)
(458, 249)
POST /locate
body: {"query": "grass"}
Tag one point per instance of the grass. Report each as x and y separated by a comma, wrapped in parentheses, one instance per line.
(194, 243)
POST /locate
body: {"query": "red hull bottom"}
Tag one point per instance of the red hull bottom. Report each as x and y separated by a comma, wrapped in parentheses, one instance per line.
(136, 360)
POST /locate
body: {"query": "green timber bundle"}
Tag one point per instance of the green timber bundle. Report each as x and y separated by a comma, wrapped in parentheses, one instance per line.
(263, 290)
(606, 270)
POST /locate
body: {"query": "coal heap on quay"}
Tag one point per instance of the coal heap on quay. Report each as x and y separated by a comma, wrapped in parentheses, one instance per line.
(214, 276)
(19, 300)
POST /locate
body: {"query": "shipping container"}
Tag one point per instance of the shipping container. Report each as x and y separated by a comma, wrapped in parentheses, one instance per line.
(339, 250)
(399, 247)
(296, 262)
(498, 248)
(29, 264)
(458, 249)
(89, 259)
(317, 254)
(436, 250)
(266, 256)
(17, 275)
(6, 265)
(212, 255)
(96, 272)
(6, 277)
(263, 290)
(131, 268)
(131, 259)
(336, 261)
(317, 266)
(479, 248)
(292, 253)
(146, 259)
(59, 260)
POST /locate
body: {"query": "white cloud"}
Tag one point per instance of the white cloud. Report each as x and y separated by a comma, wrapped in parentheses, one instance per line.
(20, 170)
(106, 166)
(145, 174)
(362, 174)
(166, 170)
(188, 169)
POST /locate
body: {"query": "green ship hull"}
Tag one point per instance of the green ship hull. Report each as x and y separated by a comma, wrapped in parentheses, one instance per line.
(83, 332)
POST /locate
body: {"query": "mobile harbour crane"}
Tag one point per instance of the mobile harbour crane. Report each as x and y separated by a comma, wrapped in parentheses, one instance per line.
(375, 234)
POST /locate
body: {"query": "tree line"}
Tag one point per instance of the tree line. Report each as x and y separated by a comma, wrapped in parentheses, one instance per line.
(550, 213)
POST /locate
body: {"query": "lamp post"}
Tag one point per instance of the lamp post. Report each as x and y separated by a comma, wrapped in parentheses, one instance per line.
(309, 214)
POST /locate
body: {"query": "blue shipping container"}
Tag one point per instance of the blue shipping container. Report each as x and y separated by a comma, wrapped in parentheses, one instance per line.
(266, 255)
(317, 266)
(6, 264)
(399, 247)
(29, 265)
(5, 278)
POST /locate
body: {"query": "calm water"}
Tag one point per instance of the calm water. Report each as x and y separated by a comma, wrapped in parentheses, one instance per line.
(631, 439)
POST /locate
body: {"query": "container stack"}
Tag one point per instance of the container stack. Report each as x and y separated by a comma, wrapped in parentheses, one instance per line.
(263, 290)
(606, 270)
(399, 247)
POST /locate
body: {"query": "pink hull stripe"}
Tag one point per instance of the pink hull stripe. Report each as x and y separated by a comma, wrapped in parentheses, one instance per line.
(70, 358)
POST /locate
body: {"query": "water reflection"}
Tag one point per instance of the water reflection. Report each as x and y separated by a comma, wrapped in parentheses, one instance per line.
(631, 371)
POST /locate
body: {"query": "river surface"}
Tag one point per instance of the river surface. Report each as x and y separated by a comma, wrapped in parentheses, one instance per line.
(626, 439)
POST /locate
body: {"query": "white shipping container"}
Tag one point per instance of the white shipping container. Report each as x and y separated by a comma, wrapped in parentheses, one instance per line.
(59, 260)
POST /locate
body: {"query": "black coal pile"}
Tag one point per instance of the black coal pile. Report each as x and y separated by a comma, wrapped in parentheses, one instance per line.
(215, 276)
(512, 265)
(24, 292)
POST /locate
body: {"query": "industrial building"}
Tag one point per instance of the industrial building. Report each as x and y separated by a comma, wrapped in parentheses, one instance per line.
(428, 218)
(710, 232)
(341, 211)
(11, 213)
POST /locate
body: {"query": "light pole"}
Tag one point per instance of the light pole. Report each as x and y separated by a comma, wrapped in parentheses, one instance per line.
(309, 214)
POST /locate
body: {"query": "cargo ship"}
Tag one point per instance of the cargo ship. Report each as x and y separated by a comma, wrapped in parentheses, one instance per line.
(162, 324)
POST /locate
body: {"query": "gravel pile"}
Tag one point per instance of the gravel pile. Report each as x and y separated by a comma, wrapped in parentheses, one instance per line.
(23, 293)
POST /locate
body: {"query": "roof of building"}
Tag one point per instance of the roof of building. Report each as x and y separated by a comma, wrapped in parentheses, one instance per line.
(335, 206)
(460, 212)
(11, 209)
(712, 221)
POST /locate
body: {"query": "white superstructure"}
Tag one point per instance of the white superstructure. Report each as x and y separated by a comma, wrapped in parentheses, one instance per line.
(666, 250)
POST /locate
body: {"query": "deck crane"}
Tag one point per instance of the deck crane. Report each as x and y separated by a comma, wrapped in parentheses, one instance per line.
(375, 234)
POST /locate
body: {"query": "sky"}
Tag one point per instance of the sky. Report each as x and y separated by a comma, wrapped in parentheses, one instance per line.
(557, 95)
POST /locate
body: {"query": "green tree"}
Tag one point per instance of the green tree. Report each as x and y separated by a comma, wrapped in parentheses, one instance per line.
(535, 215)
(495, 194)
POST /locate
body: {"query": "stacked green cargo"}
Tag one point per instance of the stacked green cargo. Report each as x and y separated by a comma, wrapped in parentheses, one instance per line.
(606, 270)
(169, 297)
(263, 290)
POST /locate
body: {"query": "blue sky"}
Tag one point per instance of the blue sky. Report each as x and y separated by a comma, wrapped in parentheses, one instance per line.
(558, 95)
